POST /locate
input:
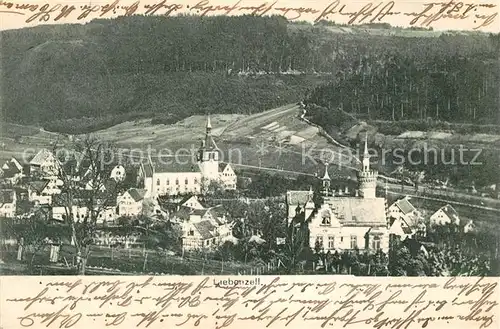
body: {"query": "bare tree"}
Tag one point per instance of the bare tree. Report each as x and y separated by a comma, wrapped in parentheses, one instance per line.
(296, 242)
(87, 191)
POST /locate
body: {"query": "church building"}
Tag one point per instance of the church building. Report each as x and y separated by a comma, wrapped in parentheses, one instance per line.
(343, 220)
(187, 174)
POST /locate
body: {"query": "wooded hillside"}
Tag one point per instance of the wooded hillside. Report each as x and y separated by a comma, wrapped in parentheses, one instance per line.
(77, 78)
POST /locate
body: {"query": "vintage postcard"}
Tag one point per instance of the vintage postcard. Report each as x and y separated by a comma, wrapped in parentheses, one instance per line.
(216, 164)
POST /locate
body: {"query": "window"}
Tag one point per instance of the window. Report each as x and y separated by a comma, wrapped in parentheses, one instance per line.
(196, 180)
(177, 181)
(158, 182)
(376, 243)
(168, 181)
(354, 242)
(213, 241)
(191, 233)
(325, 218)
(208, 242)
(186, 181)
(331, 242)
(319, 240)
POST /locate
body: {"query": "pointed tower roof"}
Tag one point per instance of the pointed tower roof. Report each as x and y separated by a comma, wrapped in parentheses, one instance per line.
(209, 141)
(209, 124)
(366, 154)
(326, 176)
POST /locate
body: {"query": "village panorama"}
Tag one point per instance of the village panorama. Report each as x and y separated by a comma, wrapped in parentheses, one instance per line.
(275, 149)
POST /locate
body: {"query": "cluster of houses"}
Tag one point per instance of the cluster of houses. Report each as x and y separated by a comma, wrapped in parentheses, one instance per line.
(344, 220)
(202, 227)
(347, 220)
(36, 181)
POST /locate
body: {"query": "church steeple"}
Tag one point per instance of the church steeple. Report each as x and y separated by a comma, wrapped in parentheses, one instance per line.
(326, 181)
(208, 155)
(208, 142)
(209, 124)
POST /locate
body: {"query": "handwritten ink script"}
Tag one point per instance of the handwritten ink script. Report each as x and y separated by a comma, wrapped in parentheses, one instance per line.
(422, 15)
(215, 302)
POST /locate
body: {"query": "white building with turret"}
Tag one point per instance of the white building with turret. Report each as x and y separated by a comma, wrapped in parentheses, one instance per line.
(185, 174)
(344, 220)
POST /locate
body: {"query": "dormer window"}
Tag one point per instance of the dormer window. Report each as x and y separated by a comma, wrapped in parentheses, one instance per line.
(326, 218)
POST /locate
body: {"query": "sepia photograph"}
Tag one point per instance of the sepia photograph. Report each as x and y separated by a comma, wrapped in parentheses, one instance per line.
(249, 145)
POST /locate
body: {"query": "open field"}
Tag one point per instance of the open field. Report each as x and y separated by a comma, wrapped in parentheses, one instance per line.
(276, 139)
(21, 141)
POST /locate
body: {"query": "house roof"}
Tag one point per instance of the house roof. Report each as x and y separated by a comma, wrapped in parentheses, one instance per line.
(405, 206)
(179, 163)
(205, 229)
(42, 156)
(450, 212)
(137, 194)
(298, 197)
(183, 213)
(187, 198)
(199, 212)
(10, 171)
(39, 185)
(22, 161)
(218, 211)
(406, 229)
(6, 196)
(358, 211)
(222, 166)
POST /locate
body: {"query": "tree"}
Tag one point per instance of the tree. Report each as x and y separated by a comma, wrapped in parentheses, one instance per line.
(125, 227)
(87, 190)
(296, 243)
(24, 206)
(169, 235)
(212, 188)
(33, 231)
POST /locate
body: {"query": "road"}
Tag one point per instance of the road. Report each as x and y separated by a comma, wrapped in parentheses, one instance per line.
(463, 198)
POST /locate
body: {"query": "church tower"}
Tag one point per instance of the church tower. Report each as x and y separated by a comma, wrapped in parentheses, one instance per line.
(326, 182)
(208, 155)
(367, 178)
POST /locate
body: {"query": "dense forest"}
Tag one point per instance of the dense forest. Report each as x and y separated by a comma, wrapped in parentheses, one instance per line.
(458, 82)
(77, 78)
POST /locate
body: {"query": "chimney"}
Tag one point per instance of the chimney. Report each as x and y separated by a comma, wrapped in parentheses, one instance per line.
(346, 191)
(357, 193)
